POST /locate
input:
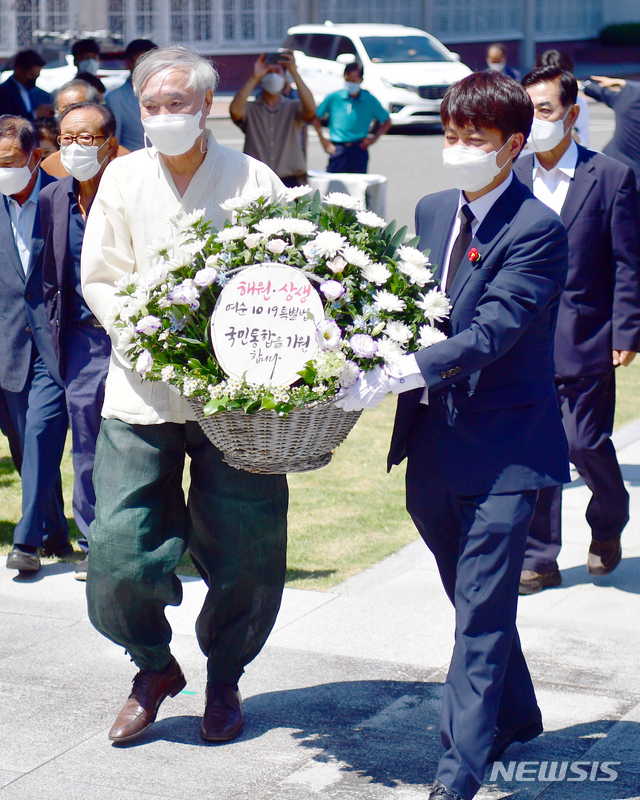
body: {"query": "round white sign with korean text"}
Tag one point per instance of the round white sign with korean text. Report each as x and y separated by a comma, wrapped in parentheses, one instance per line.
(263, 327)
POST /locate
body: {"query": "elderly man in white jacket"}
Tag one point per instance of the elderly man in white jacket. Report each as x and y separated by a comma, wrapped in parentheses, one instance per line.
(233, 522)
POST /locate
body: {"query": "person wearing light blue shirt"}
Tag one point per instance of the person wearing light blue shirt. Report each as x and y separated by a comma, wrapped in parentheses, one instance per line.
(350, 112)
(123, 102)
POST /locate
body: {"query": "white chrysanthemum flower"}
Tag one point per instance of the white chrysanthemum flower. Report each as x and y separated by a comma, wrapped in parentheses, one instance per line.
(428, 335)
(398, 331)
(355, 256)
(253, 240)
(349, 375)
(370, 219)
(128, 283)
(301, 227)
(389, 350)
(326, 244)
(295, 192)
(270, 227)
(343, 201)
(133, 307)
(376, 273)
(329, 363)
(387, 301)
(276, 246)
(159, 248)
(412, 256)
(181, 258)
(231, 234)
(193, 247)
(185, 221)
(328, 334)
(112, 315)
(235, 203)
(421, 276)
(435, 304)
(126, 335)
(253, 195)
(337, 265)
(156, 275)
(144, 363)
(168, 372)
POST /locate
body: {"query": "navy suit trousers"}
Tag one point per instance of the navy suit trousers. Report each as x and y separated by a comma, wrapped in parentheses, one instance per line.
(587, 406)
(349, 157)
(87, 351)
(478, 543)
(40, 418)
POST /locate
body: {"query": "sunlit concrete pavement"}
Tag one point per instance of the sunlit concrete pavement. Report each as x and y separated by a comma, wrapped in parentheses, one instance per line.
(343, 702)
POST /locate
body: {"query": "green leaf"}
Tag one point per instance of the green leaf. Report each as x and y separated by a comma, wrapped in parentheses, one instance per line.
(316, 203)
(414, 243)
(215, 405)
(187, 340)
(390, 229)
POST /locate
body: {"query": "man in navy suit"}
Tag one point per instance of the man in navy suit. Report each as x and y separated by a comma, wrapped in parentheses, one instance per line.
(28, 369)
(598, 319)
(19, 95)
(87, 144)
(485, 434)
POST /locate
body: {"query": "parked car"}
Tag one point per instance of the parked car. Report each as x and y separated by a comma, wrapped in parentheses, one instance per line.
(54, 75)
(407, 69)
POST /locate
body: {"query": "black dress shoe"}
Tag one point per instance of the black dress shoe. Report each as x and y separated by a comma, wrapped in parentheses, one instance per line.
(440, 791)
(604, 557)
(149, 690)
(532, 582)
(524, 732)
(57, 550)
(223, 719)
(25, 562)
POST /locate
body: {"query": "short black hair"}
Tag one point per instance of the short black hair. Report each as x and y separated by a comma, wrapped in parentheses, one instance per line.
(83, 46)
(108, 126)
(93, 80)
(354, 66)
(21, 129)
(488, 100)
(138, 46)
(26, 59)
(567, 80)
(47, 128)
(554, 58)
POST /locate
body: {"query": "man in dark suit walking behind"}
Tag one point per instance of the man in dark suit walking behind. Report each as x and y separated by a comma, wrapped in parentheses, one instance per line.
(490, 436)
(28, 369)
(598, 319)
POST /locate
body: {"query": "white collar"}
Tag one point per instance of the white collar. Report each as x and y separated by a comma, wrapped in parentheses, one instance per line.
(483, 205)
(567, 163)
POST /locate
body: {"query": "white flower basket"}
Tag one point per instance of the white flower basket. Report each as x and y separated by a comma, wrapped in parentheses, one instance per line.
(268, 443)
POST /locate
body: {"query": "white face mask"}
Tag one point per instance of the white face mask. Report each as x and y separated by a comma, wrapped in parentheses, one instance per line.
(469, 168)
(173, 134)
(91, 65)
(352, 87)
(546, 135)
(14, 180)
(81, 160)
(272, 82)
(497, 66)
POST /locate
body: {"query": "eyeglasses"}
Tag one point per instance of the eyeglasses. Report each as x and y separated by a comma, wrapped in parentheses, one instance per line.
(65, 139)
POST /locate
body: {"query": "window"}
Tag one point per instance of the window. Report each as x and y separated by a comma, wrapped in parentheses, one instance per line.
(297, 42)
(346, 46)
(321, 46)
(400, 50)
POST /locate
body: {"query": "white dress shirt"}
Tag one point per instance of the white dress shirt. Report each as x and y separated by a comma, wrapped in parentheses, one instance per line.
(133, 206)
(22, 219)
(551, 186)
(406, 375)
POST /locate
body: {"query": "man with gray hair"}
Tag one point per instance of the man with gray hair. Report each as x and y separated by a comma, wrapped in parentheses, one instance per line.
(233, 522)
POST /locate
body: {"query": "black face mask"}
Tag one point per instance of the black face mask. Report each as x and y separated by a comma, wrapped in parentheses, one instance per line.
(30, 84)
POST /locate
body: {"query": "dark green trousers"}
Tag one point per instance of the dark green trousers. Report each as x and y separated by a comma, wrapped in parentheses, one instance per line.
(233, 523)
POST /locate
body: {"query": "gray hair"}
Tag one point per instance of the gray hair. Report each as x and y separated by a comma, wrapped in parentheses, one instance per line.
(202, 75)
(91, 93)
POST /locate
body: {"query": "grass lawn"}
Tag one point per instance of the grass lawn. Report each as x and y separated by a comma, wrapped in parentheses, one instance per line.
(342, 518)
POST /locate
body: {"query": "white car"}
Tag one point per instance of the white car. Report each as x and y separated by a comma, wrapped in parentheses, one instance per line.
(54, 75)
(407, 69)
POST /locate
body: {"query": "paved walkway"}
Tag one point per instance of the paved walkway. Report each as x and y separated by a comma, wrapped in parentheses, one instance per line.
(344, 700)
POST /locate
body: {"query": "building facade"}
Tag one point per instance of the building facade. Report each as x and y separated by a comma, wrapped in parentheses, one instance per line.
(220, 27)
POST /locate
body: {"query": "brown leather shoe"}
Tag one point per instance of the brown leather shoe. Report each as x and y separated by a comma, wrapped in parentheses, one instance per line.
(223, 719)
(149, 690)
(604, 557)
(532, 582)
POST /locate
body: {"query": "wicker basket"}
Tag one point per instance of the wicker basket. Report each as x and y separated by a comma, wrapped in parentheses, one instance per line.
(269, 444)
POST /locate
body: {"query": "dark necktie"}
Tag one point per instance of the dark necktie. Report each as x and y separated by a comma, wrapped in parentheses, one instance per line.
(461, 245)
